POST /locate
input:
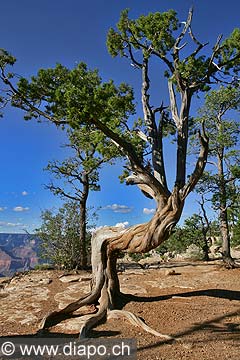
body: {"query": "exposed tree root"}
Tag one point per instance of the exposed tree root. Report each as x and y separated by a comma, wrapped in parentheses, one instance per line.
(230, 263)
(137, 321)
(103, 314)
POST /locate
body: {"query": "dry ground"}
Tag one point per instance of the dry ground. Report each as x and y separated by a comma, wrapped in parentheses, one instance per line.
(197, 303)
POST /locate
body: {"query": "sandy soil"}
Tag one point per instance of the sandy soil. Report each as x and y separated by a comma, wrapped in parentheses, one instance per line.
(197, 303)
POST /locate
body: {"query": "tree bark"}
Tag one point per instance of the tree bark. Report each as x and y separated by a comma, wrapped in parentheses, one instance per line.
(83, 222)
(223, 216)
(205, 228)
(82, 236)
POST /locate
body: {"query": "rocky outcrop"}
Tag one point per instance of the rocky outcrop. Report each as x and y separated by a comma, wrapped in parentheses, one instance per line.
(18, 252)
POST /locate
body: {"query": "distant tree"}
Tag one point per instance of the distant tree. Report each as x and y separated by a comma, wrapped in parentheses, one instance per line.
(176, 243)
(59, 235)
(236, 232)
(78, 96)
(224, 156)
(196, 230)
(80, 175)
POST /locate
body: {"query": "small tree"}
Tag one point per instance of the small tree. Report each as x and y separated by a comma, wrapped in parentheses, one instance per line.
(59, 234)
(195, 230)
(81, 175)
(224, 156)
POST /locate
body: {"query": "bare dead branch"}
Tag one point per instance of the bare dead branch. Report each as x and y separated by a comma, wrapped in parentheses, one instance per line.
(176, 47)
(173, 103)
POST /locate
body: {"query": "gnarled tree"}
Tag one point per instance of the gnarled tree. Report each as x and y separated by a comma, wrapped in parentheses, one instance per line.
(88, 101)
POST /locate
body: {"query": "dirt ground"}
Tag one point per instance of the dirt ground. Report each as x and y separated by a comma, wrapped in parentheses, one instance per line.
(197, 303)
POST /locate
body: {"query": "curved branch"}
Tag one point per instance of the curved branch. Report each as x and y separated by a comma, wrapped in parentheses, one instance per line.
(200, 165)
(136, 163)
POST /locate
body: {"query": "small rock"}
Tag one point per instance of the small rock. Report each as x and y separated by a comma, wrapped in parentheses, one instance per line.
(172, 272)
(85, 278)
(45, 281)
(153, 266)
(70, 278)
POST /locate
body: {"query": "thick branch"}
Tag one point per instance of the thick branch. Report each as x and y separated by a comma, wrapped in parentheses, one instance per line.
(200, 165)
(136, 164)
(182, 137)
(154, 136)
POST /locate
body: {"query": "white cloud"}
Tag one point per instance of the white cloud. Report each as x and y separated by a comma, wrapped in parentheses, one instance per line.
(148, 211)
(122, 224)
(2, 208)
(118, 208)
(9, 224)
(20, 208)
(24, 193)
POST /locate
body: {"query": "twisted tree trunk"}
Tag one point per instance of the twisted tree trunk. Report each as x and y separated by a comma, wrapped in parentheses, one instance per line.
(106, 243)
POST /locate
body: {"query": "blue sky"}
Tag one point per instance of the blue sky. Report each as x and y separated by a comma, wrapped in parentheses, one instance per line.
(41, 33)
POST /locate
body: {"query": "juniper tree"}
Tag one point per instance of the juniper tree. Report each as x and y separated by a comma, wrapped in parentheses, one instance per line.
(59, 235)
(79, 174)
(79, 97)
(224, 157)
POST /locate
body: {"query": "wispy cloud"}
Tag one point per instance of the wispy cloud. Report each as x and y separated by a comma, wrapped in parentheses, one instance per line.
(9, 224)
(2, 208)
(20, 208)
(148, 211)
(24, 193)
(124, 209)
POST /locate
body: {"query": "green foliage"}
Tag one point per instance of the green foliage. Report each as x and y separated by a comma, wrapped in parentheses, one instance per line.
(193, 70)
(161, 35)
(235, 241)
(154, 30)
(80, 172)
(183, 237)
(224, 151)
(230, 50)
(138, 256)
(59, 235)
(80, 99)
(6, 59)
(43, 267)
(176, 243)
(76, 96)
